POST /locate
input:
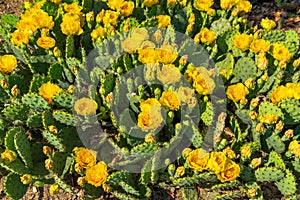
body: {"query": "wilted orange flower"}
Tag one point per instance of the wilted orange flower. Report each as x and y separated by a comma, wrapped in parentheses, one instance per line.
(46, 42)
(49, 90)
(198, 159)
(237, 92)
(242, 41)
(169, 74)
(8, 63)
(230, 173)
(85, 158)
(97, 174)
(169, 100)
(268, 24)
(85, 106)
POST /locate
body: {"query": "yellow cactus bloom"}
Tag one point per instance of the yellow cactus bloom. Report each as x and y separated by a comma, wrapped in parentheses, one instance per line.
(148, 56)
(260, 46)
(114, 4)
(46, 42)
(217, 162)
(54, 189)
(85, 158)
(203, 83)
(85, 106)
(26, 179)
(99, 32)
(163, 21)
(49, 90)
(97, 174)
(169, 74)
(242, 41)
(244, 6)
(180, 171)
(7, 63)
(26, 26)
(126, 8)
(262, 62)
(71, 24)
(8, 155)
(150, 3)
(281, 93)
(167, 54)
(280, 52)
(169, 100)
(255, 162)
(110, 17)
(56, 1)
(72, 8)
(268, 118)
(246, 151)
(296, 62)
(203, 5)
(237, 92)
(18, 38)
(268, 24)
(228, 4)
(230, 173)
(207, 36)
(198, 159)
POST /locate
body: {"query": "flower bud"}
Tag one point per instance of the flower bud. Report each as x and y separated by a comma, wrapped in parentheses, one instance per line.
(81, 181)
(109, 97)
(254, 102)
(252, 192)
(255, 162)
(246, 151)
(90, 17)
(249, 83)
(54, 189)
(99, 17)
(279, 125)
(253, 115)
(53, 129)
(243, 101)
(289, 133)
(190, 28)
(15, 91)
(4, 84)
(26, 179)
(180, 171)
(106, 187)
(171, 169)
(183, 60)
(229, 153)
(186, 152)
(149, 138)
(157, 37)
(296, 62)
(260, 127)
(78, 168)
(47, 150)
(56, 52)
(48, 164)
(282, 64)
(8, 155)
(265, 77)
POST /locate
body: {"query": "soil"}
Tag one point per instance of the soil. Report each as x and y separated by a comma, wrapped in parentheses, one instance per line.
(286, 17)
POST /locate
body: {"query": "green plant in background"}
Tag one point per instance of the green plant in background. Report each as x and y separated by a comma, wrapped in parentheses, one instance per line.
(48, 90)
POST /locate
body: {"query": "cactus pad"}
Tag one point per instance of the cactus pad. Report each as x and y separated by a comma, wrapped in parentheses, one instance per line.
(268, 174)
(23, 148)
(63, 100)
(244, 68)
(13, 186)
(54, 140)
(64, 117)
(287, 185)
(35, 102)
(16, 112)
(34, 121)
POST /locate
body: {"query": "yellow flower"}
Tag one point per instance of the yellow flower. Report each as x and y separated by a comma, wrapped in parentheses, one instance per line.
(246, 151)
(46, 42)
(252, 192)
(260, 46)
(150, 118)
(228, 4)
(54, 189)
(110, 18)
(99, 32)
(262, 62)
(71, 24)
(90, 16)
(7, 63)
(203, 84)
(244, 6)
(18, 38)
(289, 133)
(150, 3)
(169, 74)
(167, 54)
(56, 1)
(180, 171)
(280, 52)
(149, 138)
(296, 62)
(85, 106)
(229, 153)
(85, 158)
(295, 87)
(242, 41)
(126, 8)
(147, 44)
(163, 21)
(148, 56)
(217, 161)
(169, 100)
(236, 92)
(97, 174)
(8, 155)
(53, 129)
(26, 179)
(207, 36)
(198, 159)
(268, 118)
(186, 95)
(281, 93)
(114, 4)
(49, 90)
(147, 104)
(26, 25)
(203, 5)
(268, 24)
(230, 173)
(255, 162)
(72, 8)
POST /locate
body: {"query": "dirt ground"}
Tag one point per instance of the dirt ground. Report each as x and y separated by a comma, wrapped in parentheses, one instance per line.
(287, 18)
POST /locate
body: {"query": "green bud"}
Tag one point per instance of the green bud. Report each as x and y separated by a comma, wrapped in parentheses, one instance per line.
(171, 169)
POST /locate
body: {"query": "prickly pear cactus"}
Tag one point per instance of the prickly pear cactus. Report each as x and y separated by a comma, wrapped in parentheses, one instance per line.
(268, 174)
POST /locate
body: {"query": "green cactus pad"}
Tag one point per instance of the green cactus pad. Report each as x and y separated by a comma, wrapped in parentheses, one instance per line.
(9, 21)
(16, 112)
(59, 163)
(36, 83)
(275, 142)
(55, 71)
(269, 108)
(220, 26)
(116, 177)
(63, 100)
(13, 186)
(51, 8)
(16, 167)
(108, 84)
(291, 111)
(273, 35)
(35, 121)
(268, 174)
(145, 148)
(42, 59)
(287, 185)
(208, 114)
(64, 117)
(244, 116)
(226, 64)
(54, 140)
(128, 188)
(63, 185)
(48, 119)
(146, 172)
(229, 196)
(35, 102)
(275, 160)
(23, 148)
(3, 95)
(123, 196)
(226, 186)
(189, 193)
(244, 68)
(9, 138)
